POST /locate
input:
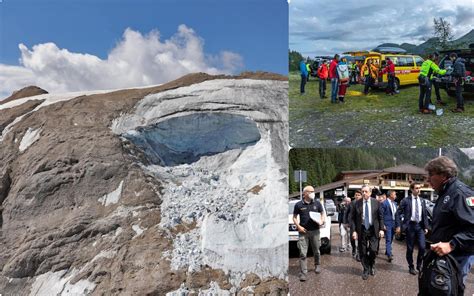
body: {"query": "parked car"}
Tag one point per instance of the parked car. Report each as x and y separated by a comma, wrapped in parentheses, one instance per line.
(325, 230)
(331, 208)
(446, 82)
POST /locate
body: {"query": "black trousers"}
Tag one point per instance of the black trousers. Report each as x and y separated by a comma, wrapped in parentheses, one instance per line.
(303, 83)
(391, 84)
(459, 98)
(368, 243)
(369, 82)
(425, 95)
(322, 88)
(436, 88)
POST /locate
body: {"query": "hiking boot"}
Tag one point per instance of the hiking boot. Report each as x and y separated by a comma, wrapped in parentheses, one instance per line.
(457, 110)
(427, 111)
(317, 269)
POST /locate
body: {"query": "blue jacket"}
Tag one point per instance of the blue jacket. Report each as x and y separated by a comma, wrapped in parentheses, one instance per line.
(405, 210)
(387, 214)
(303, 69)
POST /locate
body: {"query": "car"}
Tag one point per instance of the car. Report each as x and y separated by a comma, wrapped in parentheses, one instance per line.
(332, 209)
(446, 82)
(325, 230)
(407, 66)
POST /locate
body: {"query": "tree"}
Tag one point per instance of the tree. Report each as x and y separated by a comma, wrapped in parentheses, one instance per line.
(443, 31)
(294, 60)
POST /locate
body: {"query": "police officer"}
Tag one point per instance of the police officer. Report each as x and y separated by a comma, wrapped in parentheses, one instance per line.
(453, 214)
(308, 229)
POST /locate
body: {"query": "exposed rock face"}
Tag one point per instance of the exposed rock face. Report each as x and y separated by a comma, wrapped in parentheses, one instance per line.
(28, 91)
(103, 198)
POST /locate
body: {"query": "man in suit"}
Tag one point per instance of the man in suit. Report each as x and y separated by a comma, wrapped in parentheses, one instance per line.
(389, 210)
(415, 225)
(367, 227)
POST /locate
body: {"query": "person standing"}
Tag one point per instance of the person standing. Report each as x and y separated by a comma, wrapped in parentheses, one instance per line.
(342, 219)
(304, 76)
(428, 68)
(323, 76)
(435, 82)
(350, 208)
(415, 225)
(367, 227)
(333, 77)
(369, 71)
(459, 72)
(453, 214)
(343, 79)
(390, 71)
(389, 209)
(308, 229)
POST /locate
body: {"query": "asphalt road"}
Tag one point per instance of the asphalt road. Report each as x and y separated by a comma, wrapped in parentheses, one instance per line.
(341, 275)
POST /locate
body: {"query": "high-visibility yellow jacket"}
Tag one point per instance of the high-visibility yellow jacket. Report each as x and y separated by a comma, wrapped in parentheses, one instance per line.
(430, 67)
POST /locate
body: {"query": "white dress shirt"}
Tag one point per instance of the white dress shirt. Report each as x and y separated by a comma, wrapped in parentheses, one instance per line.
(393, 208)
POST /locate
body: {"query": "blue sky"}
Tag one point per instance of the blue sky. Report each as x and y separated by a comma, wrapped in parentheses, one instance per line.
(255, 32)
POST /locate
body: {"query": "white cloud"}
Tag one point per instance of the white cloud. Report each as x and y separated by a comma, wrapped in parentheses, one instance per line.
(136, 60)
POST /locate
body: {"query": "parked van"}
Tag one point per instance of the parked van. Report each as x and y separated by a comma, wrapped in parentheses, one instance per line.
(407, 66)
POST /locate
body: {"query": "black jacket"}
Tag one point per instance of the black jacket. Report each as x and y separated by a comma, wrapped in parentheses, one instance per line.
(453, 217)
(405, 210)
(357, 213)
(459, 69)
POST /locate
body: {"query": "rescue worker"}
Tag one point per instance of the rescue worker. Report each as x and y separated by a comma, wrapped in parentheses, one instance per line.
(390, 71)
(323, 76)
(435, 82)
(459, 72)
(343, 83)
(304, 76)
(308, 69)
(453, 214)
(369, 71)
(334, 78)
(428, 68)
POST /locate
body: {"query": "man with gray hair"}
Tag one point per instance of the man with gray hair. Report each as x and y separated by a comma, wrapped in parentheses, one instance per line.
(453, 214)
(367, 226)
(308, 229)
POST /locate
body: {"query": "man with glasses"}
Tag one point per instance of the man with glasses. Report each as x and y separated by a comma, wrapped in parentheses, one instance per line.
(308, 229)
(453, 214)
(366, 227)
(415, 225)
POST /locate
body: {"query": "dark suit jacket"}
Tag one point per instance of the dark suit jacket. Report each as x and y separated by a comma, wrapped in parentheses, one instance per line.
(405, 210)
(357, 214)
(387, 213)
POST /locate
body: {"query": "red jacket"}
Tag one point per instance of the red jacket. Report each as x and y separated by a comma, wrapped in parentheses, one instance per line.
(333, 69)
(390, 68)
(323, 71)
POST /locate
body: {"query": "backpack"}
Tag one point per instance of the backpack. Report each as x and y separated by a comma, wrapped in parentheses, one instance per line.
(343, 72)
(440, 276)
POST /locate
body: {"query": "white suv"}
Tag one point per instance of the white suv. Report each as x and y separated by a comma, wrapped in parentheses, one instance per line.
(325, 230)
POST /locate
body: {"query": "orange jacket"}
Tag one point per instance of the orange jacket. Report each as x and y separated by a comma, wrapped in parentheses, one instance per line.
(323, 71)
(365, 71)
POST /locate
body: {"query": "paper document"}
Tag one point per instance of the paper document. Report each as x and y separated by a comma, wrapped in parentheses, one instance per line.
(316, 216)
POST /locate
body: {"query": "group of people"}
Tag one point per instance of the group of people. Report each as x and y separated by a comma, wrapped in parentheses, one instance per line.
(367, 220)
(338, 73)
(428, 78)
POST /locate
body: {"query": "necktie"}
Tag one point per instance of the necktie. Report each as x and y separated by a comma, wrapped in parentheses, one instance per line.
(417, 211)
(366, 216)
